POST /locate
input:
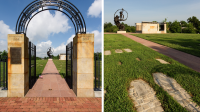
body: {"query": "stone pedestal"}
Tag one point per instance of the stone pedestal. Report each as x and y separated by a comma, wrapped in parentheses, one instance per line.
(121, 31)
(18, 63)
(83, 65)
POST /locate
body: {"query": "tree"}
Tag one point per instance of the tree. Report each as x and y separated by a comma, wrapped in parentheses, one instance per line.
(190, 29)
(195, 22)
(129, 28)
(0, 52)
(4, 53)
(183, 23)
(108, 27)
(165, 20)
(58, 56)
(175, 27)
(99, 55)
(168, 25)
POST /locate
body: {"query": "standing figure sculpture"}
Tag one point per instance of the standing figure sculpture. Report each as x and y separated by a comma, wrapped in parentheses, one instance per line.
(117, 19)
(121, 15)
(49, 52)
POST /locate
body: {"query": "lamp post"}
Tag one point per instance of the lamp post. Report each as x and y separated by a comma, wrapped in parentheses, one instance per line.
(181, 27)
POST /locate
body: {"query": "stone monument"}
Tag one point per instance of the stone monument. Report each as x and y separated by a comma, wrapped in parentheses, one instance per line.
(83, 65)
(117, 20)
(18, 63)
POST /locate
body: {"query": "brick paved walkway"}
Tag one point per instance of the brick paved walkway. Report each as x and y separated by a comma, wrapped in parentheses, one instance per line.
(52, 84)
(50, 104)
(189, 60)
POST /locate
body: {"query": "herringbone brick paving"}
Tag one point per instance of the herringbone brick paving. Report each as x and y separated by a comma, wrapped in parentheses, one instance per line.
(59, 104)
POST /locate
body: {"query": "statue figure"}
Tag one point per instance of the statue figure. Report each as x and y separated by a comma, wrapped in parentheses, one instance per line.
(117, 23)
(120, 18)
(49, 52)
(121, 15)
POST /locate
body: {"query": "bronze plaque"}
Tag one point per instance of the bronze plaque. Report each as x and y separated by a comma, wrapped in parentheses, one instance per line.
(15, 53)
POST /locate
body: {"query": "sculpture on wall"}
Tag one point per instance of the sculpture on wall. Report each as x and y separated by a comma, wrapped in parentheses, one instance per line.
(49, 52)
(117, 19)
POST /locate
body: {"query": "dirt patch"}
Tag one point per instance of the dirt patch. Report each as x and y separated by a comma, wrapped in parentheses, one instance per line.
(138, 59)
(119, 63)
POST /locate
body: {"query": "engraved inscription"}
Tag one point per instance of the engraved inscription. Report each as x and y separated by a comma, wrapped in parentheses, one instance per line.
(15, 53)
(86, 38)
(16, 39)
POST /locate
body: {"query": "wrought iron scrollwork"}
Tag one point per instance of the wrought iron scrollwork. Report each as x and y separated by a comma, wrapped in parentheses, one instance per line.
(38, 6)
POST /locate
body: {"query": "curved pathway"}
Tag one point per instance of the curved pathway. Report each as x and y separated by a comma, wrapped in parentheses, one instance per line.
(187, 59)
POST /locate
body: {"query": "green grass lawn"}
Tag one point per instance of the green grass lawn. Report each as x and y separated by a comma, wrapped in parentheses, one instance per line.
(117, 77)
(98, 73)
(40, 64)
(1, 74)
(188, 43)
(61, 67)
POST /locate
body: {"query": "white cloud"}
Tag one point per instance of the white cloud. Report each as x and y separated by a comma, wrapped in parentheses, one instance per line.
(60, 49)
(45, 23)
(70, 39)
(3, 45)
(43, 46)
(95, 9)
(97, 41)
(4, 30)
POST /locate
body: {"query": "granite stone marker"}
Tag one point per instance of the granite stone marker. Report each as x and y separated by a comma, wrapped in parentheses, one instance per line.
(18, 65)
(83, 65)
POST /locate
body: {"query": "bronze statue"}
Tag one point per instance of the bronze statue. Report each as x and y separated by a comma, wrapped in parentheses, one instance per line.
(121, 15)
(121, 18)
(49, 52)
(117, 23)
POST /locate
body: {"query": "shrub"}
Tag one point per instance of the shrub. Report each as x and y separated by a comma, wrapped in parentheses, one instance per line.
(175, 27)
(108, 27)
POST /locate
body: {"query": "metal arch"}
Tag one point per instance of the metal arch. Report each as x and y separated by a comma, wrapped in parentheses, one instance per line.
(32, 12)
(68, 9)
(23, 24)
(45, 10)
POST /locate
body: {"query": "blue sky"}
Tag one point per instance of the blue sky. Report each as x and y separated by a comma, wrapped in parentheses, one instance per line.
(152, 10)
(51, 28)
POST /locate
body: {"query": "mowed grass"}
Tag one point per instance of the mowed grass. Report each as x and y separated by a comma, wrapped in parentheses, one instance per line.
(98, 73)
(61, 67)
(40, 64)
(2, 71)
(117, 77)
(188, 43)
